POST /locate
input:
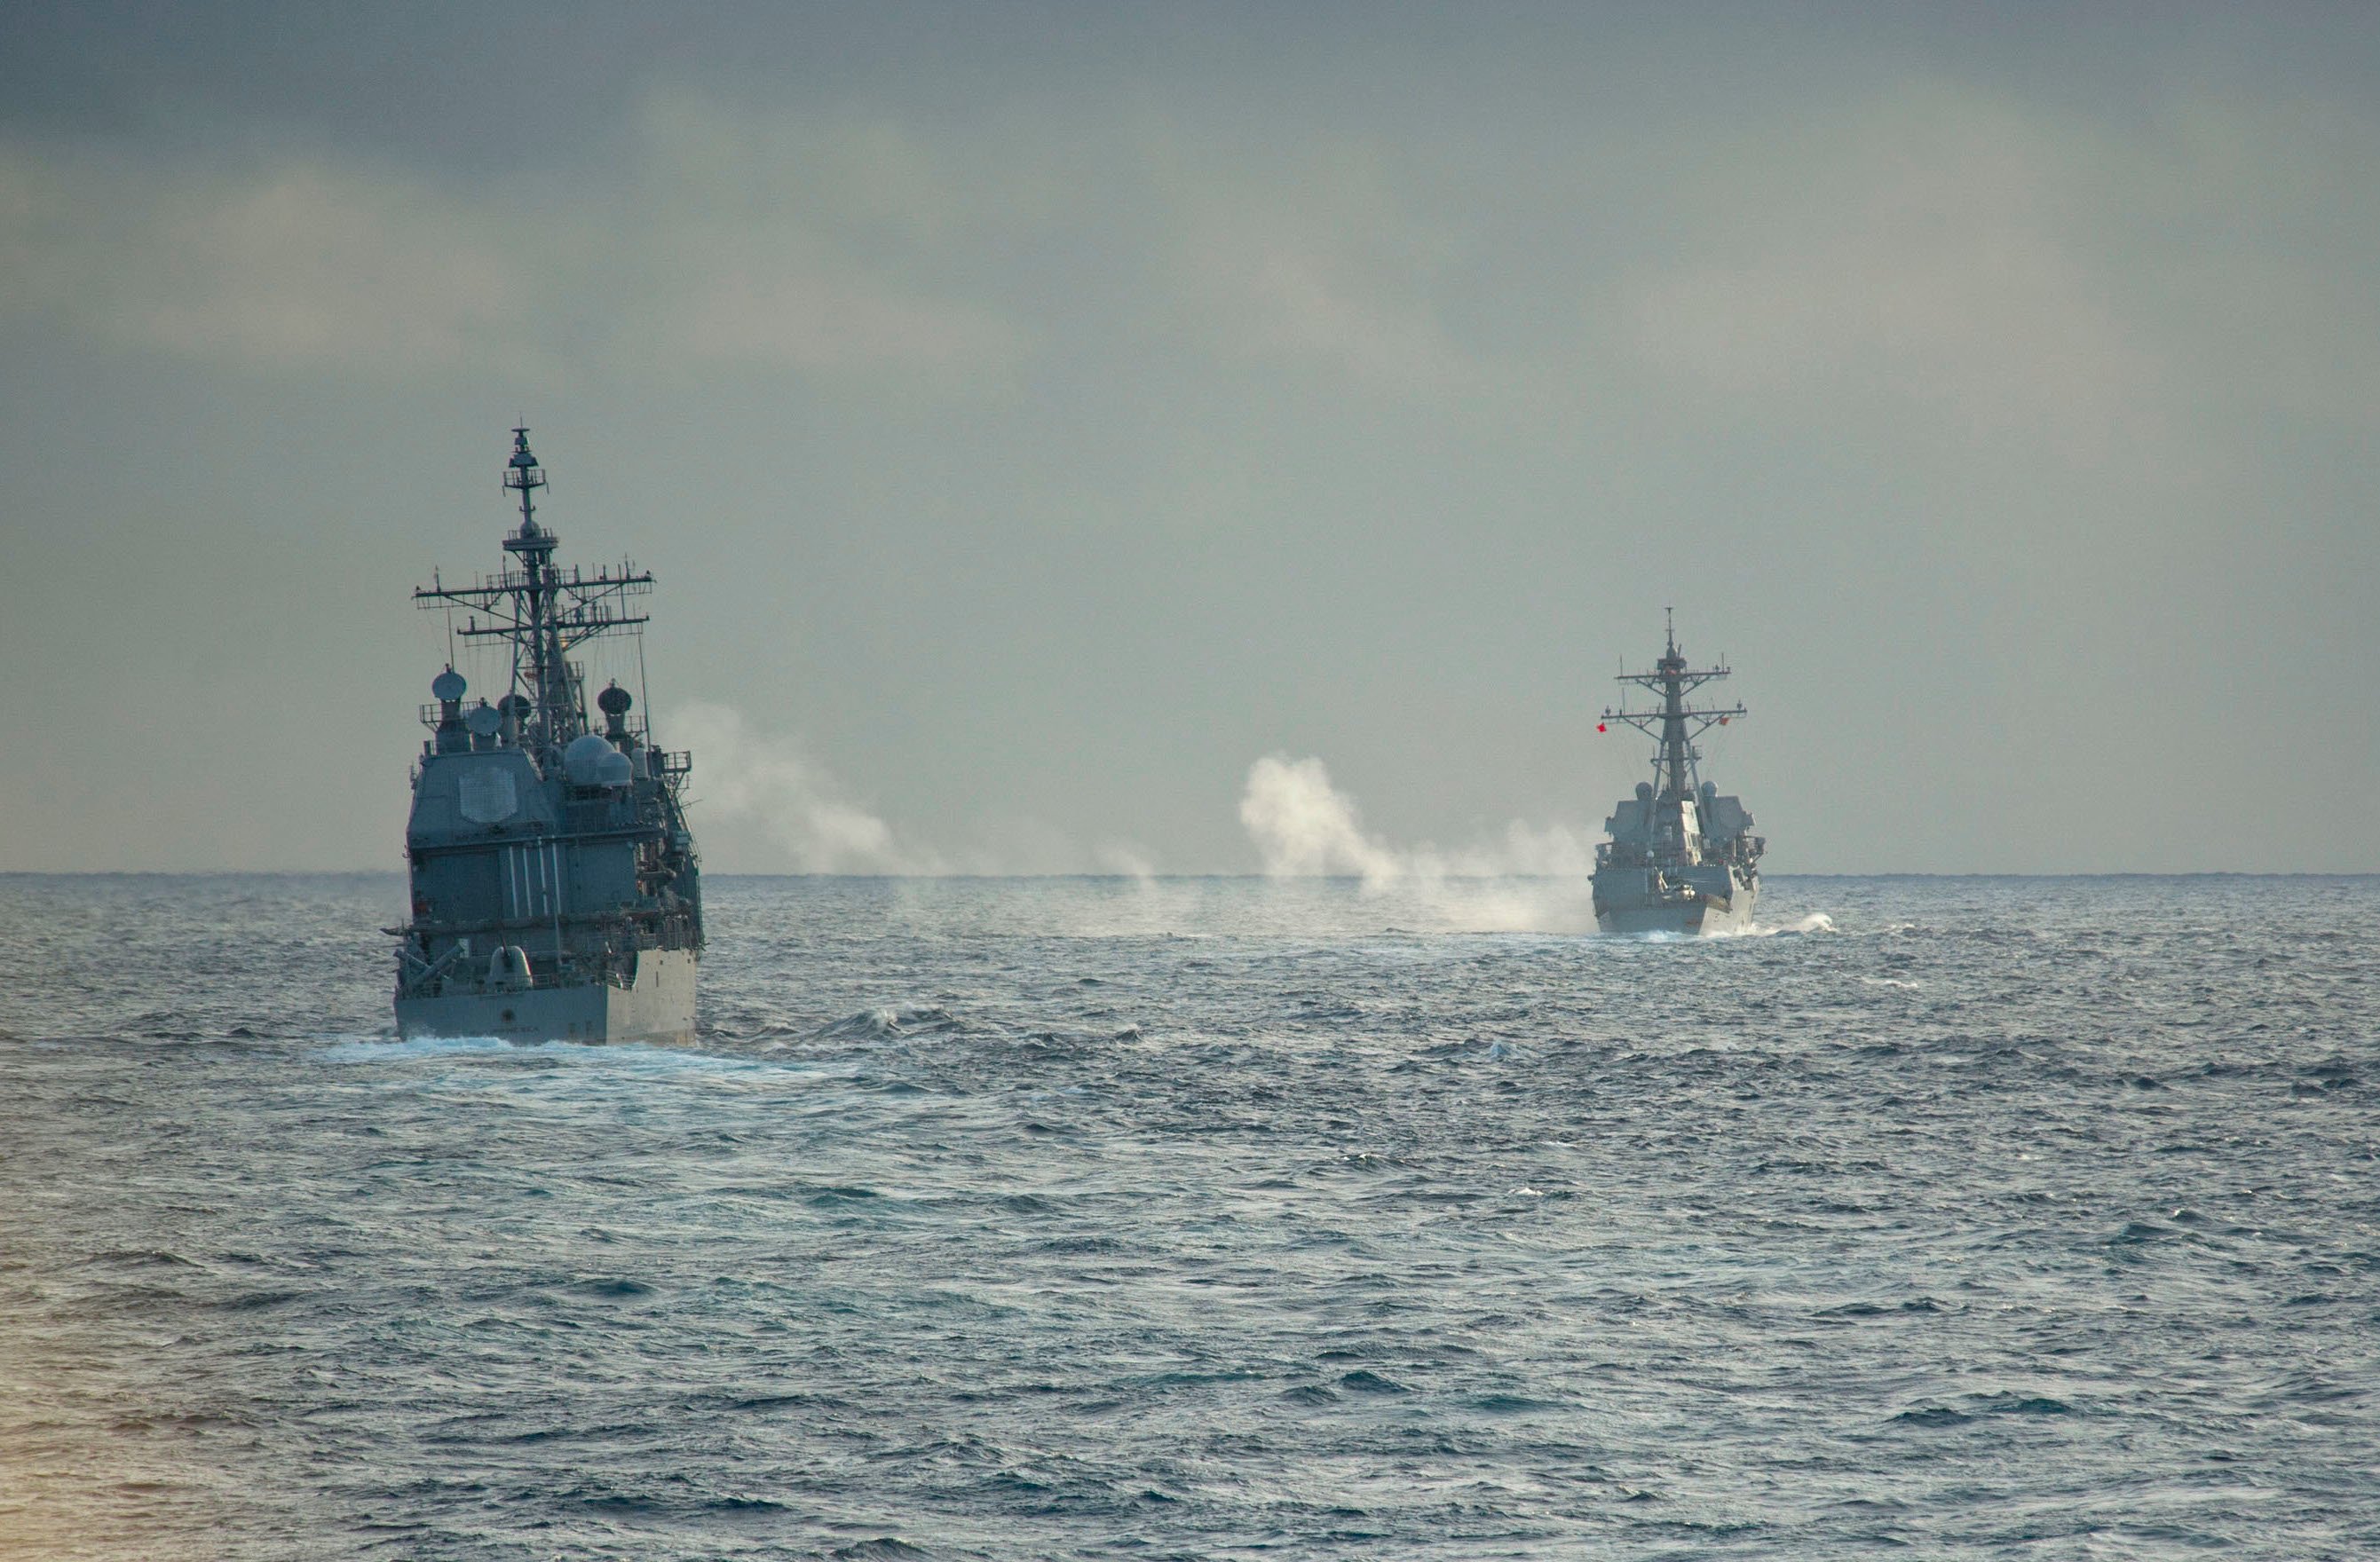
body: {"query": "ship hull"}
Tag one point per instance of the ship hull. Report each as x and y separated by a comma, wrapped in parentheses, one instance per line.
(1687, 921)
(658, 1008)
(1626, 903)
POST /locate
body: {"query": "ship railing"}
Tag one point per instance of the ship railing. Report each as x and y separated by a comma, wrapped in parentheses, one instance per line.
(431, 715)
(547, 968)
(637, 926)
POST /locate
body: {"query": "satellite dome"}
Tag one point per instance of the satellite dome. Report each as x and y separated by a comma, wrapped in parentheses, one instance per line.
(1710, 789)
(591, 761)
(1644, 792)
(448, 686)
(483, 719)
(614, 700)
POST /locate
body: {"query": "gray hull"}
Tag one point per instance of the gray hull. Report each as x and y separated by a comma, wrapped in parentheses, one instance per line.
(659, 1008)
(1695, 917)
(1703, 898)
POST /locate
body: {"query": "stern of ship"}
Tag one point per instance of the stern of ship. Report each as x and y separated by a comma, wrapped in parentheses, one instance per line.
(656, 1005)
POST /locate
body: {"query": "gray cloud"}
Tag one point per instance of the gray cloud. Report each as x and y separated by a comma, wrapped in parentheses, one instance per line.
(1046, 430)
(370, 272)
(1936, 253)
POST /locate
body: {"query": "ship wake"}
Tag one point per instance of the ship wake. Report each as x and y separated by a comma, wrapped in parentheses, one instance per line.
(1816, 922)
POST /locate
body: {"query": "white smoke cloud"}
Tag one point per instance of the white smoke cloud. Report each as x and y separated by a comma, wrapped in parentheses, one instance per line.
(1303, 825)
(743, 774)
(1532, 879)
(1129, 860)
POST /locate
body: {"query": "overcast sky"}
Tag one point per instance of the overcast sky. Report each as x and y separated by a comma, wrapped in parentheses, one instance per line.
(1042, 416)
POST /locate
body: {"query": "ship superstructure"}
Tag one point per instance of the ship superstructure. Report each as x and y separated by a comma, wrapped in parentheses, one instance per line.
(556, 892)
(1681, 857)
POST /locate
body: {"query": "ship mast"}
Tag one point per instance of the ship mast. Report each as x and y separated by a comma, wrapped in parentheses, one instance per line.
(1675, 725)
(544, 611)
(549, 674)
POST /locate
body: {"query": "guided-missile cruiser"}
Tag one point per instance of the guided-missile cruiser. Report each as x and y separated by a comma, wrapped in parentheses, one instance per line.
(555, 891)
(1681, 859)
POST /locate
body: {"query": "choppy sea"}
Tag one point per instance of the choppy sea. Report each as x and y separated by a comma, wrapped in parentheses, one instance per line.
(1207, 1219)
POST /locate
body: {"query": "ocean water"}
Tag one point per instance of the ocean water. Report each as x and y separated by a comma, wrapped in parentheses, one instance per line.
(1207, 1219)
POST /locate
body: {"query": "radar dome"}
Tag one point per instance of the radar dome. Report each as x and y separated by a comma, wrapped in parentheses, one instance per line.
(483, 719)
(1644, 792)
(518, 705)
(614, 700)
(448, 686)
(590, 761)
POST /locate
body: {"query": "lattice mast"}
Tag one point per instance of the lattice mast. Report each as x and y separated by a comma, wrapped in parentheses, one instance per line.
(543, 611)
(1675, 725)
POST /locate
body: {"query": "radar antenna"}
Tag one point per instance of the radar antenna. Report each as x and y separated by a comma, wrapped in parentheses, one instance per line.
(542, 611)
(1674, 724)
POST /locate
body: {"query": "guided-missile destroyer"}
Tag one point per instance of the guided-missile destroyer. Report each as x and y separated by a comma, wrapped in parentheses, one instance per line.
(556, 892)
(1681, 859)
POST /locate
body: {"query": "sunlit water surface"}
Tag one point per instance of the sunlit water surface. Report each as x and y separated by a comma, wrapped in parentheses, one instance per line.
(1958, 1217)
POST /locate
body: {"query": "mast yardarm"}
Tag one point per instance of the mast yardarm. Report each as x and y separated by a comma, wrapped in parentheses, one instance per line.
(543, 611)
(1675, 725)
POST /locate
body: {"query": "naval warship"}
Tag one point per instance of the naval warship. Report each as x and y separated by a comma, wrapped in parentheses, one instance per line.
(1681, 859)
(555, 891)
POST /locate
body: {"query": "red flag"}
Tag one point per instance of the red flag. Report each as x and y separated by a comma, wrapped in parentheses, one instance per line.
(1598, 726)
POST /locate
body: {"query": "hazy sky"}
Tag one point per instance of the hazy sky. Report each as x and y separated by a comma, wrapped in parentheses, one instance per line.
(1052, 424)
